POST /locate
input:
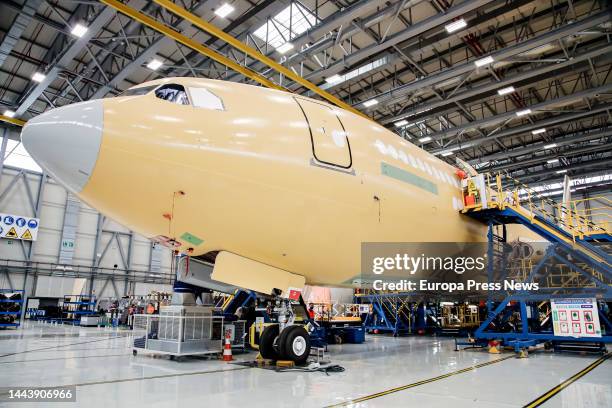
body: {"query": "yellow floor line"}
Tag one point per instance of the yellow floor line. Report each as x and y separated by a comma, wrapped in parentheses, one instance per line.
(416, 384)
(556, 390)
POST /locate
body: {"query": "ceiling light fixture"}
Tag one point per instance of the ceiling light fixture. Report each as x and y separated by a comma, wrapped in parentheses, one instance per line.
(334, 79)
(371, 102)
(224, 10)
(79, 30)
(38, 77)
(538, 131)
(425, 139)
(455, 25)
(484, 61)
(550, 146)
(9, 113)
(523, 112)
(505, 91)
(155, 64)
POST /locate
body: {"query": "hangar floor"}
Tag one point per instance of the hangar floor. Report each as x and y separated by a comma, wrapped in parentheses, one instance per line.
(100, 363)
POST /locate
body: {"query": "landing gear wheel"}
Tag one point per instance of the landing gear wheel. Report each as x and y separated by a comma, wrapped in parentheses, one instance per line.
(266, 342)
(294, 344)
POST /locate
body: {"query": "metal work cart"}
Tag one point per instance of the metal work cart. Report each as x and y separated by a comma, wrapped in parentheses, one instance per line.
(11, 306)
(179, 331)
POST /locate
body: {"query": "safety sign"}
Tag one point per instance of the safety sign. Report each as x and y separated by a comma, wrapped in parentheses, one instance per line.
(575, 317)
(18, 227)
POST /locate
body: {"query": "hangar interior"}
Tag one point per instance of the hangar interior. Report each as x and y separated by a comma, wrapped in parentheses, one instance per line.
(519, 91)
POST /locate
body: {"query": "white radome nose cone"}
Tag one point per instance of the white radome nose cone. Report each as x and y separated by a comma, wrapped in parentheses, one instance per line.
(66, 141)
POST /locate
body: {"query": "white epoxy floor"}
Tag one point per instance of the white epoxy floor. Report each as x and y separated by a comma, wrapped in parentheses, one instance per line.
(100, 363)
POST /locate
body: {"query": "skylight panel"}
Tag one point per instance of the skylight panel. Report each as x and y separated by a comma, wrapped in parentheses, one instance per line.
(292, 21)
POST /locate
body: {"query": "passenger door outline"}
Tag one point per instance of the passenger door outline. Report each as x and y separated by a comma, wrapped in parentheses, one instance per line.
(313, 144)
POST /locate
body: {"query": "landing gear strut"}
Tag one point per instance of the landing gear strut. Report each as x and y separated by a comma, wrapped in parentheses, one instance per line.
(285, 340)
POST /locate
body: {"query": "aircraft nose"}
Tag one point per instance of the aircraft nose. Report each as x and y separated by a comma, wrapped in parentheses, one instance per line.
(65, 141)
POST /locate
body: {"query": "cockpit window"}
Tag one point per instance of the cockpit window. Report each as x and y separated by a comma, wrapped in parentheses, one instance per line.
(203, 98)
(173, 93)
(142, 90)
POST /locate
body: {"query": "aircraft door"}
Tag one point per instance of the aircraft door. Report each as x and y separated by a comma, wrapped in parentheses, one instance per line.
(330, 143)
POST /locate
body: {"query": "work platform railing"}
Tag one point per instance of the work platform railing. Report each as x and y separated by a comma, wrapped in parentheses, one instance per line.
(581, 224)
(572, 262)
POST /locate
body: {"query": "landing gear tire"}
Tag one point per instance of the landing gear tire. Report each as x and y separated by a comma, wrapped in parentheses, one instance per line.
(294, 344)
(267, 341)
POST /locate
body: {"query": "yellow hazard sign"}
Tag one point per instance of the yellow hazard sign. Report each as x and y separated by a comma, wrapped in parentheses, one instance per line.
(12, 233)
(27, 235)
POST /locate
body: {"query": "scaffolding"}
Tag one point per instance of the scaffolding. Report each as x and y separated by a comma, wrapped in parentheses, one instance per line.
(575, 263)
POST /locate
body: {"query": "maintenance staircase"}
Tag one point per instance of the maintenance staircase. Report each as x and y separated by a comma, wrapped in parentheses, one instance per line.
(569, 225)
(575, 264)
(392, 312)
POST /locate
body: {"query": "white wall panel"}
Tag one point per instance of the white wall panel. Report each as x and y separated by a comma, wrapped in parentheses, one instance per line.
(46, 248)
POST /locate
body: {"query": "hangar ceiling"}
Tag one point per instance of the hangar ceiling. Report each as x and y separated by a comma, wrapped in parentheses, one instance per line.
(520, 86)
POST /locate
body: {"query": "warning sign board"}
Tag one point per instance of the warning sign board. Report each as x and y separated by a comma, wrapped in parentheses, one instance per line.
(12, 233)
(575, 317)
(27, 235)
(18, 227)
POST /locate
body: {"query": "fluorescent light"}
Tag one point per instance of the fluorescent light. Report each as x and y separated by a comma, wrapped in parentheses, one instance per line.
(505, 91)
(78, 30)
(283, 48)
(334, 79)
(523, 112)
(9, 113)
(369, 103)
(400, 123)
(425, 139)
(551, 161)
(446, 154)
(561, 171)
(38, 77)
(155, 64)
(225, 10)
(484, 61)
(550, 146)
(538, 131)
(455, 25)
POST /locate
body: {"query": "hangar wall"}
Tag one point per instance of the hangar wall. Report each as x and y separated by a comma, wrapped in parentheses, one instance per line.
(74, 235)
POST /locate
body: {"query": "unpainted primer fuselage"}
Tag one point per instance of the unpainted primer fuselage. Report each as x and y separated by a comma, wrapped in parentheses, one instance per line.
(277, 178)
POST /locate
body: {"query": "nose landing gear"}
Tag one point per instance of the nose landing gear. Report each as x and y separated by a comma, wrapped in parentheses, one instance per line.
(286, 340)
(292, 343)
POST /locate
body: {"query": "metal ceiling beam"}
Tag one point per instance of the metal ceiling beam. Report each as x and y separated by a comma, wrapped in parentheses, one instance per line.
(429, 44)
(21, 22)
(481, 123)
(239, 45)
(13, 121)
(518, 80)
(101, 20)
(555, 153)
(189, 42)
(561, 141)
(558, 178)
(552, 121)
(262, 11)
(607, 161)
(394, 94)
(145, 55)
(412, 31)
(334, 21)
